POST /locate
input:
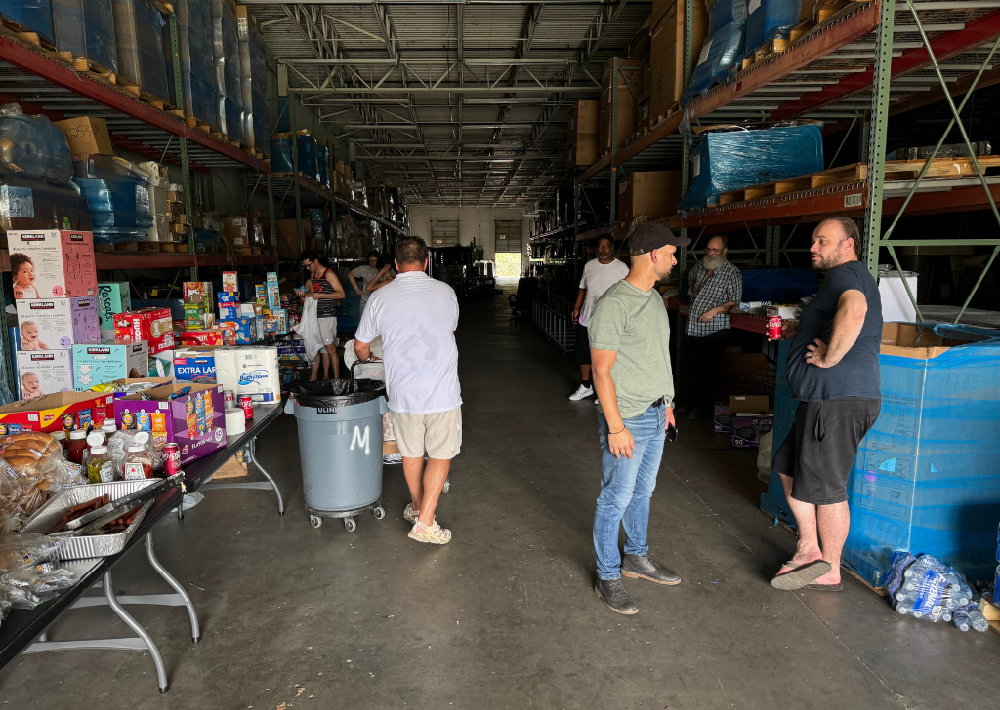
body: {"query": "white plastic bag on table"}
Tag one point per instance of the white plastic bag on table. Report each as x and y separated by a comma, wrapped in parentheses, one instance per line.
(368, 370)
(308, 328)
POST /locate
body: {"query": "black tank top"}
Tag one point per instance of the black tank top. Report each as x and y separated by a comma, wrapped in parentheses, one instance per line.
(325, 307)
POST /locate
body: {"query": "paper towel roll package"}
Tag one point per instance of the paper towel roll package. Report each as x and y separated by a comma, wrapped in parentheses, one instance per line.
(225, 368)
(256, 370)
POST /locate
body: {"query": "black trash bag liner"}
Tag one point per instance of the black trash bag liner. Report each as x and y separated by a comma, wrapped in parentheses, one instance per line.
(336, 393)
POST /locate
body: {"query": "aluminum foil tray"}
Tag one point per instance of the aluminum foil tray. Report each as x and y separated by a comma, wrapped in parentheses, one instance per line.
(86, 546)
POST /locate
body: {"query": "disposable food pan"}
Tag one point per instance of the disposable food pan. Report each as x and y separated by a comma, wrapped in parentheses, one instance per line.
(83, 547)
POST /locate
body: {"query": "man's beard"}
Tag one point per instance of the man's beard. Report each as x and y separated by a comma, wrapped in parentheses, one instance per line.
(711, 263)
(662, 275)
(822, 264)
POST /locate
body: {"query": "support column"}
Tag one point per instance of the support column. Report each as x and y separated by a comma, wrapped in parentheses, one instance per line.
(878, 129)
(575, 231)
(185, 163)
(613, 144)
(299, 239)
(270, 210)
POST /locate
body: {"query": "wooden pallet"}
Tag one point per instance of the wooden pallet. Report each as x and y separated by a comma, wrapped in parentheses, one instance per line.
(991, 611)
(665, 115)
(895, 170)
(26, 34)
(95, 70)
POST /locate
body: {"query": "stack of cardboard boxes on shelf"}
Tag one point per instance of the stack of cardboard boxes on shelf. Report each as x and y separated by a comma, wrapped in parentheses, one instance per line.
(236, 323)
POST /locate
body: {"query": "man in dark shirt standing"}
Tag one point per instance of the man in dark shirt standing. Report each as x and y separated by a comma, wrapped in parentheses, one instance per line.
(833, 371)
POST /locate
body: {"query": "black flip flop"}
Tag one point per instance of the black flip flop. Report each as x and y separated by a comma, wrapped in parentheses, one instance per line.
(800, 575)
(825, 587)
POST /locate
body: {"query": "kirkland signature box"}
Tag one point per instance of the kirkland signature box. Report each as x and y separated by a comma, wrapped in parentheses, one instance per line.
(42, 372)
(52, 263)
(97, 363)
(57, 323)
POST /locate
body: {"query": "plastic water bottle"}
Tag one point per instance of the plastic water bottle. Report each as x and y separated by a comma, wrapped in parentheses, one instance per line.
(904, 607)
(978, 621)
(961, 620)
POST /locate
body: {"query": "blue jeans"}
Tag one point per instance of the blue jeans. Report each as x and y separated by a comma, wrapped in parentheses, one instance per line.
(626, 488)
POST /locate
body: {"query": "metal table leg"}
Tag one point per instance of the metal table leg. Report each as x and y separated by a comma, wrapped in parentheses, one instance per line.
(143, 643)
(251, 452)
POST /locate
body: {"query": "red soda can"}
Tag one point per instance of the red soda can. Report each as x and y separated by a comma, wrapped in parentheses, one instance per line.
(774, 327)
(246, 404)
(171, 459)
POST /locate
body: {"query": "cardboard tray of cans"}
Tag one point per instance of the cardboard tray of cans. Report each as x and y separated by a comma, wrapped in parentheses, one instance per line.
(83, 547)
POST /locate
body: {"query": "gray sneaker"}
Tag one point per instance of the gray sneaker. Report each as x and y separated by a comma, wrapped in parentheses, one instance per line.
(645, 568)
(614, 596)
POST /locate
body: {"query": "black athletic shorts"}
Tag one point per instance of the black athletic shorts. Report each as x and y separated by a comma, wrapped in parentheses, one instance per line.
(819, 451)
(581, 351)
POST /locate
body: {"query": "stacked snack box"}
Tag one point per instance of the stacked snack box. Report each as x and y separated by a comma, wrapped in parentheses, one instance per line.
(54, 275)
(200, 326)
(275, 317)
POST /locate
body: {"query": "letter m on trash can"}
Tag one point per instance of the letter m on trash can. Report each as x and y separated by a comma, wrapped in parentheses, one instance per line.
(360, 440)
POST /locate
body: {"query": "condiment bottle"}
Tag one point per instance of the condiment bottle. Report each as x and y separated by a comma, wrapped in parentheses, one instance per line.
(138, 464)
(99, 466)
(77, 445)
(60, 437)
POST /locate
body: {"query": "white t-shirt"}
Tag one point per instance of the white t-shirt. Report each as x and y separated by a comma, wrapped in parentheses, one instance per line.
(598, 278)
(366, 273)
(416, 317)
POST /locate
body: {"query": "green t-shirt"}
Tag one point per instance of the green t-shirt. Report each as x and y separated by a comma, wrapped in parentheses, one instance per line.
(634, 324)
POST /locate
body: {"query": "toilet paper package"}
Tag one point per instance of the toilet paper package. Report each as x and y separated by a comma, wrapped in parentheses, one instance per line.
(256, 372)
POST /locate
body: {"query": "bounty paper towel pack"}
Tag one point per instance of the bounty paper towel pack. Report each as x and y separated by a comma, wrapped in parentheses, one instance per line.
(256, 371)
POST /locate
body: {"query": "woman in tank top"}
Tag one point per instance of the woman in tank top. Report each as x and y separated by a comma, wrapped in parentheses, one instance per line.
(325, 287)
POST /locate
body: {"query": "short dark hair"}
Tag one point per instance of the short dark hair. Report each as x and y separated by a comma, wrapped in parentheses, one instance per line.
(607, 238)
(411, 250)
(723, 237)
(308, 254)
(19, 260)
(850, 229)
(375, 254)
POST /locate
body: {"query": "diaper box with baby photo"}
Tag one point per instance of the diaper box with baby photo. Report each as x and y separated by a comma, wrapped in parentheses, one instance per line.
(97, 363)
(57, 323)
(52, 263)
(43, 372)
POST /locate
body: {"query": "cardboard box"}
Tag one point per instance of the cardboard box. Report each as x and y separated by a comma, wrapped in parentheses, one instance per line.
(86, 134)
(228, 313)
(202, 337)
(244, 329)
(130, 380)
(198, 288)
(196, 364)
(196, 421)
(103, 362)
(57, 323)
(37, 204)
(232, 468)
(235, 230)
(249, 310)
(65, 410)
(581, 154)
(227, 298)
(740, 374)
(649, 195)
(154, 325)
(228, 329)
(720, 418)
(288, 242)
(229, 282)
(738, 405)
(52, 263)
(42, 372)
(748, 429)
(281, 316)
(112, 297)
(666, 54)
(916, 341)
(260, 293)
(630, 77)
(584, 120)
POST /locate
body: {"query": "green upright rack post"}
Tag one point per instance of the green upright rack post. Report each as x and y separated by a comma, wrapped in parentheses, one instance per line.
(185, 164)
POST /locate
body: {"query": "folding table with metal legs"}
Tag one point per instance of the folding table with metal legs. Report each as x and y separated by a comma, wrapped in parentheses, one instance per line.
(249, 457)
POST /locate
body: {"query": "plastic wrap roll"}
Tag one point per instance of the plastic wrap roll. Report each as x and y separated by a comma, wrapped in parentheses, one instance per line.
(194, 26)
(139, 45)
(253, 81)
(236, 422)
(33, 15)
(281, 153)
(32, 147)
(85, 28)
(225, 50)
(119, 209)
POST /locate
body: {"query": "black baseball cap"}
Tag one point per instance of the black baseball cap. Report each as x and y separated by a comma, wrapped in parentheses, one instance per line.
(651, 236)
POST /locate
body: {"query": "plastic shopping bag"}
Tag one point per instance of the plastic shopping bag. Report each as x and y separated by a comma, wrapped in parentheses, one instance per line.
(308, 328)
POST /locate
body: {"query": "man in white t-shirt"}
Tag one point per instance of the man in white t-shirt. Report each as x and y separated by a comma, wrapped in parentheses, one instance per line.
(365, 273)
(598, 276)
(416, 317)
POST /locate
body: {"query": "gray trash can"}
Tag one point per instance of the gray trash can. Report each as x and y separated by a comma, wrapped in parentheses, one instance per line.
(340, 445)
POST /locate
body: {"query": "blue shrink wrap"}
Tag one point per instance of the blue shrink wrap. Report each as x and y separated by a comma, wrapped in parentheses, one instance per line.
(117, 196)
(226, 53)
(32, 147)
(307, 157)
(253, 81)
(194, 40)
(139, 45)
(721, 51)
(32, 15)
(742, 156)
(767, 19)
(85, 29)
(927, 476)
(781, 285)
(281, 153)
(725, 12)
(322, 160)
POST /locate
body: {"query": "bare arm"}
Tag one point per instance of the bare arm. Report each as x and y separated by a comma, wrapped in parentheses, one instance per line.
(354, 284)
(851, 310)
(362, 350)
(338, 290)
(384, 278)
(580, 295)
(619, 437)
(718, 310)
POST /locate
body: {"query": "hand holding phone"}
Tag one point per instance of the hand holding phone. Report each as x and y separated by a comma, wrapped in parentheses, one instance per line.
(671, 433)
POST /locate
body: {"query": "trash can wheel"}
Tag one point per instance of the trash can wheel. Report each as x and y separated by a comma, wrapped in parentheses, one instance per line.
(379, 512)
(350, 525)
(315, 521)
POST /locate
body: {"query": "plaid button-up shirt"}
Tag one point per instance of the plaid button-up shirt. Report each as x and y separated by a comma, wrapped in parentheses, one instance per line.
(725, 284)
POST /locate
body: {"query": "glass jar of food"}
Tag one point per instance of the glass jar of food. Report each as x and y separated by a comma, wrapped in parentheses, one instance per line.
(99, 466)
(138, 464)
(77, 445)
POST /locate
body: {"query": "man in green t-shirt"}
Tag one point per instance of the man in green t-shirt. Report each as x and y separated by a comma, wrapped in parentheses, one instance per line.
(630, 350)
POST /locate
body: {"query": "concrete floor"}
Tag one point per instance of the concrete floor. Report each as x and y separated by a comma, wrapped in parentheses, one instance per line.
(505, 616)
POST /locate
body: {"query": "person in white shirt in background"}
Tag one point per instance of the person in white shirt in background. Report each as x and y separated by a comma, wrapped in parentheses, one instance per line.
(416, 317)
(599, 275)
(365, 272)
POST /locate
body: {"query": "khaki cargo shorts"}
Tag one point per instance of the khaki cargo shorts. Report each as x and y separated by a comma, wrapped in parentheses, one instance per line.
(439, 434)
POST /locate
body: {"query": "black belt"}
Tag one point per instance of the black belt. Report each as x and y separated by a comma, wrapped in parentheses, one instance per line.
(657, 403)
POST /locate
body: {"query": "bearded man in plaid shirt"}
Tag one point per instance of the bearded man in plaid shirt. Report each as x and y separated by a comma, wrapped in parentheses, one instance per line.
(715, 286)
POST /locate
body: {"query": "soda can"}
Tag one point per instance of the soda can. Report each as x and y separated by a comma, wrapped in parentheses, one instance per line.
(774, 327)
(246, 404)
(230, 398)
(171, 459)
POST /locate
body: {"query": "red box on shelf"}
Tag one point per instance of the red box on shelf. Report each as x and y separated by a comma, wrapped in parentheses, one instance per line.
(150, 324)
(202, 337)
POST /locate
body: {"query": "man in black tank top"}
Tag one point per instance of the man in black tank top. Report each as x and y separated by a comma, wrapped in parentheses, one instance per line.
(325, 287)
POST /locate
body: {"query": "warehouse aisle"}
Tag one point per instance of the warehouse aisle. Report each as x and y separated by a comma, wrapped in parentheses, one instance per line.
(505, 616)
